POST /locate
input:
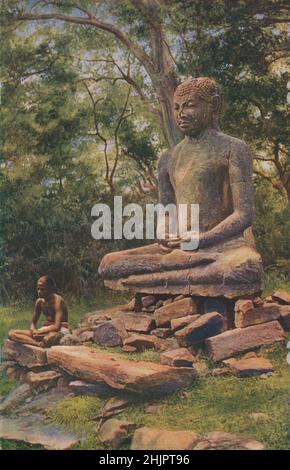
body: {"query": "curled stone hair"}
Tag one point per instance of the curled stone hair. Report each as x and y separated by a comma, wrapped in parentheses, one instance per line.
(206, 88)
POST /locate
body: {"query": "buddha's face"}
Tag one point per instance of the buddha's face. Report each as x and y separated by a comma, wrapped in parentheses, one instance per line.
(192, 114)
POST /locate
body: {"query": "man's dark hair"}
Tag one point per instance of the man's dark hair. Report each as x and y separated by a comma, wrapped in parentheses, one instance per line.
(49, 281)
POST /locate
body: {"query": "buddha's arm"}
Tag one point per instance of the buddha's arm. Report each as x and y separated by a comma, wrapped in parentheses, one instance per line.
(240, 177)
(58, 317)
(36, 315)
(166, 194)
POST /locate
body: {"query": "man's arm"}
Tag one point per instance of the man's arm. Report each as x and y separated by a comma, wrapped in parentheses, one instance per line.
(36, 315)
(166, 196)
(58, 318)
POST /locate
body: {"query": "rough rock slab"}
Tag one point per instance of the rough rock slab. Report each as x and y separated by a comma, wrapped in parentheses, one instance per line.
(110, 333)
(121, 374)
(17, 396)
(92, 318)
(177, 358)
(33, 430)
(282, 296)
(114, 406)
(175, 309)
(161, 332)
(209, 324)
(228, 441)
(115, 431)
(255, 315)
(240, 340)
(24, 354)
(70, 340)
(42, 380)
(178, 323)
(146, 438)
(141, 342)
(148, 300)
(43, 403)
(249, 366)
(80, 387)
(86, 336)
(137, 322)
(285, 316)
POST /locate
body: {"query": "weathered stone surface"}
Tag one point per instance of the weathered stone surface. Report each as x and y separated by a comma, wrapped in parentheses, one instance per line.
(148, 300)
(137, 322)
(141, 342)
(80, 387)
(93, 318)
(209, 324)
(232, 342)
(177, 358)
(227, 441)
(24, 354)
(153, 409)
(176, 309)
(121, 374)
(253, 316)
(161, 439)
(167, 344)
(70, 340)
(42, 380)
(129, 349)
(114, 406)
(282, 296)
(250, 365)
(15, 397)
(115, 431)
(285, 316)
(78, 331)
(178, 323)
(86, 336)
(33, 430)
(161, 332)
(16, 372)
(111, 333)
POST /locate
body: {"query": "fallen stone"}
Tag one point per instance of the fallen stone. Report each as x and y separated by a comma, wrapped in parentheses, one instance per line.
(221, 372)
(282, 296)
(209, 324)
(266, 375)
(137, 322)
(268, 299)
(86, 336)
(148, 300)
(146, 438)
(24, 354)
(285, 316)
(227, 441)
(141, 342)
(167, 344)
(239, 340)
(176, 309)
(118, 373)
(33, 430)
(161, 332)
(153, 409)
(159, 304)
(168, 301)
(257, 301)
(249, 366)
(111, 333)
(42, 380)
(80, 387)
(253, 316)
(17, 396)
(93, 318)
(80, 330)
(43, 402)
(150, 309)
(70, 340)
(114, 432)
(177, 358)
(113, 407)
(178, 323)
(129, 349)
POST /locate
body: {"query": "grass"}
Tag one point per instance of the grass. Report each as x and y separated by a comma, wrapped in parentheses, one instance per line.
(211, 404)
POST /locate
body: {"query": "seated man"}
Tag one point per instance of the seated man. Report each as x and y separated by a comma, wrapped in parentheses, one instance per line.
(214, 171)
(55, 311)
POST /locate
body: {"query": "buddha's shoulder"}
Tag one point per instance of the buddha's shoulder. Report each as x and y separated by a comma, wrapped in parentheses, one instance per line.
(166, 156)
(233, 143)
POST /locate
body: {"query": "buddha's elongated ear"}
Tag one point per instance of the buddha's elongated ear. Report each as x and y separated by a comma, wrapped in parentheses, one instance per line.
(216, 103)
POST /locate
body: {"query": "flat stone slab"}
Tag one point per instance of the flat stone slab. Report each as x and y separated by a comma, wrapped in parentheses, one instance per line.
(42, 380)
(250, 365)
(227, 441)
(33, 430)
(282, 296)
(240, 340)
(180, 357)
(175, 309)
(209, 324)
(115, 431)
(285, 316)
(146, 438)
(15, 397)
(24, 354)
(137, 322)
(120, 374)
(250, 315)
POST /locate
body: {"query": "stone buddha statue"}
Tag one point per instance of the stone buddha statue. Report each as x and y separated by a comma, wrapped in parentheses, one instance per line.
(213, 170)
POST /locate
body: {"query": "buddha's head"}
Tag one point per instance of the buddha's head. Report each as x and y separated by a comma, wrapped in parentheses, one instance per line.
(197, 103)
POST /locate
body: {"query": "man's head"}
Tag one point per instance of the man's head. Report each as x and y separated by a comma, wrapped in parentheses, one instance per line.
(197, 103)
(45, 286)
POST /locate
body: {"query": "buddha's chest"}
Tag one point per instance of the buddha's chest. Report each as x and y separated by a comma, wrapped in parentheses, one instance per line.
(199, 169)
